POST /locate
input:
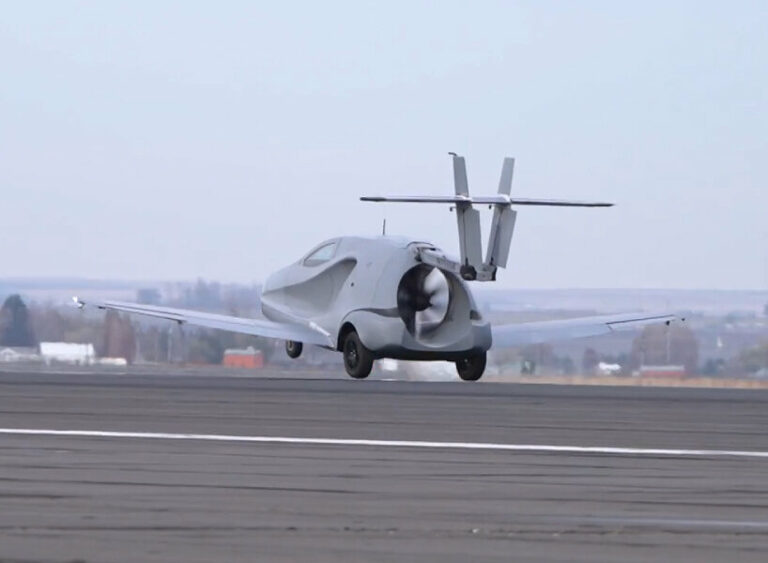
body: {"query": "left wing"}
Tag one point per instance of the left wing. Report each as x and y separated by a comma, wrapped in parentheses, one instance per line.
(309, 334)
(522, 334)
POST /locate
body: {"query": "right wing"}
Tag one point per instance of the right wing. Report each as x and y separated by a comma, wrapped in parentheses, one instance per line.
(310, 334)
(523, 334)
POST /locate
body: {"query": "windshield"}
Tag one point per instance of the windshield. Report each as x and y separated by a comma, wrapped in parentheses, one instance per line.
(321, 255)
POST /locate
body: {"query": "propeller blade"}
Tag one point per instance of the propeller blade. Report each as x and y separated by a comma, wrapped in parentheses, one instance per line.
(434, 281)
(423, 299)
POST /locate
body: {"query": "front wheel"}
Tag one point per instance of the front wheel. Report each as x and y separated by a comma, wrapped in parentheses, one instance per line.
(471, 368)
(358, 360)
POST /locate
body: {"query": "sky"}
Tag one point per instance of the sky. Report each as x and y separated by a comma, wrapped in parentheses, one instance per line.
(222, 140)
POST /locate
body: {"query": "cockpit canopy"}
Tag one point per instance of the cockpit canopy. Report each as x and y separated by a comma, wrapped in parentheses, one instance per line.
(321, 254)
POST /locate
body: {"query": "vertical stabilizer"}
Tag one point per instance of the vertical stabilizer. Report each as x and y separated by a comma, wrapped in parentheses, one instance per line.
(467, 218)
(503, 223)
(460, 182)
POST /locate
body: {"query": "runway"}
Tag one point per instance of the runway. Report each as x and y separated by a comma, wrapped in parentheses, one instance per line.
(97, 467)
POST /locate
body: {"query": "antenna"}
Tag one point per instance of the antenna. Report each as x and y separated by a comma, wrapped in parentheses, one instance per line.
(384, 227)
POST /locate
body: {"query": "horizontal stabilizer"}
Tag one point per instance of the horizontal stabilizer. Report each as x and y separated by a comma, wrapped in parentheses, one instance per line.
(558, 202)
(499, 199)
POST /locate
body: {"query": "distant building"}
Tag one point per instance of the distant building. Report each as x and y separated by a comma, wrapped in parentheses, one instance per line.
(67, 353)
(248, 358)
(19, 354)
(662, 372)
(114, 362)
(604, 368)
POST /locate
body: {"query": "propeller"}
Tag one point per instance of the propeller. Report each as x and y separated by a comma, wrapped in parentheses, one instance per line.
(423, 298)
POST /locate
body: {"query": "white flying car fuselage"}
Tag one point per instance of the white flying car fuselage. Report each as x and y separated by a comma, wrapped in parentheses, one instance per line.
(389, 297)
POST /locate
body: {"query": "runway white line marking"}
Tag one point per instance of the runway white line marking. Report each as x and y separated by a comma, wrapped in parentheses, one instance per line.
(670, 522)
(386, 443)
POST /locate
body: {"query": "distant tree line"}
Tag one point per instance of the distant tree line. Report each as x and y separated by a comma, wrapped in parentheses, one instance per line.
(138, 339)
(656, 345)
(673, 344)
(116, 335)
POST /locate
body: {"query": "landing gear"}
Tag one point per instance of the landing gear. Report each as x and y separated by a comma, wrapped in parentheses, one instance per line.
(358, 360)
(471, 368)
(293, 348)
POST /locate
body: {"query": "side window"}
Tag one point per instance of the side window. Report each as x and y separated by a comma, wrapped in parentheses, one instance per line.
(322, 254)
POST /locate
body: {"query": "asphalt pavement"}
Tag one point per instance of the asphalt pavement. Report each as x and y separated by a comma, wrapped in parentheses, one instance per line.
(362, 471)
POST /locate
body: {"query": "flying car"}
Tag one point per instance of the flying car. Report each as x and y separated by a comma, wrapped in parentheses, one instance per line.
(401, 298)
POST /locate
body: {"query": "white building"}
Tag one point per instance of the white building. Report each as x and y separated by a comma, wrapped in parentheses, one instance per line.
(604, 368)
(68, 353)
(16, 354)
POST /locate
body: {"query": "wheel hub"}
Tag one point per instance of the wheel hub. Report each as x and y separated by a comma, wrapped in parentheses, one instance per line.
(352, 356)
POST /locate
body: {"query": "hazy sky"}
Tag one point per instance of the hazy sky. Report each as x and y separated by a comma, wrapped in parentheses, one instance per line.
(159, 140)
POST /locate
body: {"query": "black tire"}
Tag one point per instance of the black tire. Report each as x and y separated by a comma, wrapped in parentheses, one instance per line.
(358, 360)
(471, 368)
(293, 348)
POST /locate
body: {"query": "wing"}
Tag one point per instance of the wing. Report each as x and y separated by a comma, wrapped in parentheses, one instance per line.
(309, 334)
(522, 334)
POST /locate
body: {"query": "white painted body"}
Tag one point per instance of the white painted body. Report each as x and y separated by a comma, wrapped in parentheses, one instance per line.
(357, 288)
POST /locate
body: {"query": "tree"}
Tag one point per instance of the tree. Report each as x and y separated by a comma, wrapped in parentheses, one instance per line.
(153, 341)
(589, 360)
(661, 345)
(49, 324)
(753, 359)
(119, 337)
(148, 296)
(204, 295)
(714, 367)
(15, 325)
(206, 347)
(535, 356)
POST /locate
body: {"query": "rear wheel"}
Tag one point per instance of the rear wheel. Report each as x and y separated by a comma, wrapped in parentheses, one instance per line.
(471, 368)
(358, 360)
(293, 348)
